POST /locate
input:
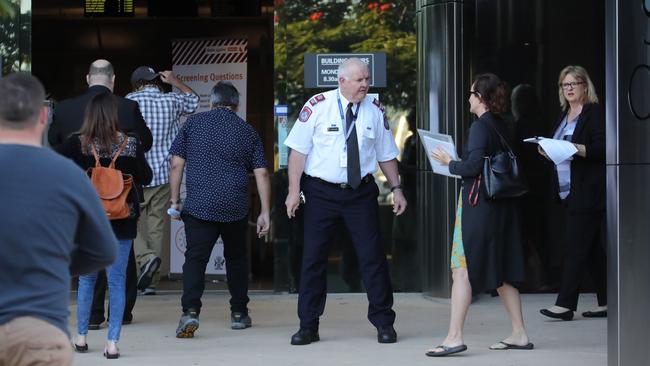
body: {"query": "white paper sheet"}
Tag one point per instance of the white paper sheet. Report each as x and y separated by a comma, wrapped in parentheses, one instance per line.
(557, 150)
(431, 141)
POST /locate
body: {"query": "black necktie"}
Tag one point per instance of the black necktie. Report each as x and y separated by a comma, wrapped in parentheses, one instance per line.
(354, 169)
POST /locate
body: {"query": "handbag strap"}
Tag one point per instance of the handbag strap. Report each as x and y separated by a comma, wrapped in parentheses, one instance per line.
(503, 141)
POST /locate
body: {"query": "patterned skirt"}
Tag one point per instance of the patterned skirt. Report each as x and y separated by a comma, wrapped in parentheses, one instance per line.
(457, 250)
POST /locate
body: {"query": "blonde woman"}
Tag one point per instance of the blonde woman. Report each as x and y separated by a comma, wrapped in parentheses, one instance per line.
(580, 186)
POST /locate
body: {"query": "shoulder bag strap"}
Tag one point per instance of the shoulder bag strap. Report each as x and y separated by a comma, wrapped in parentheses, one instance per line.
(119, 151)
(94, 151)
(503, 141)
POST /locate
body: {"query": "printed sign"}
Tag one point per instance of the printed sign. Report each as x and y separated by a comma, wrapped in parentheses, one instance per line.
(321, 69)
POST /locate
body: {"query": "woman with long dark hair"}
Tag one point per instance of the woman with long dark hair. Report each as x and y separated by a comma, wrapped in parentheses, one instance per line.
(100, 135)
(487, 251)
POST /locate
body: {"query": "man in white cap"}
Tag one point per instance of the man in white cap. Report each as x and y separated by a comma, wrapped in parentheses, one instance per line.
(162, 112)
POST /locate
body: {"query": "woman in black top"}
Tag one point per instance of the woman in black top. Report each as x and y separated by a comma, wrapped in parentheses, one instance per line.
(100, 133)
(580, 185)
(487, 250)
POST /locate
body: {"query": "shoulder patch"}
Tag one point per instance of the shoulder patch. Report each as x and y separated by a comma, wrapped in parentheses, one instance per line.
(304, 115)
(317, 99)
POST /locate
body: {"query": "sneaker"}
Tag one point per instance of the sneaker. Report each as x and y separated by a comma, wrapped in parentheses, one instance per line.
(147, 271)
(149, 291)
(188, 324)
(240, 320)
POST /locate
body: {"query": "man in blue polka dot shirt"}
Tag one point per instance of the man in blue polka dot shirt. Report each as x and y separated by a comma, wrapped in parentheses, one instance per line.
(218, 149)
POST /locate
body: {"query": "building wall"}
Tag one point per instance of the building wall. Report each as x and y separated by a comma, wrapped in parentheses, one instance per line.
(628, 173)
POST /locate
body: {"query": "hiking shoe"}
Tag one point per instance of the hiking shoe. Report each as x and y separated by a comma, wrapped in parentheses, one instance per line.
(188, 324)
(149, 291)
(240, 320)
(147, 271)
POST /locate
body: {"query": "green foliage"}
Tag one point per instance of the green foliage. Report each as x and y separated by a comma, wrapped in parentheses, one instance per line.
(329, 26)
(6, 9)
(15, 37)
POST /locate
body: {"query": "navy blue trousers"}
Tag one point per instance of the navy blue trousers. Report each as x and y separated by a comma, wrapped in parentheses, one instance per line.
(358, 208)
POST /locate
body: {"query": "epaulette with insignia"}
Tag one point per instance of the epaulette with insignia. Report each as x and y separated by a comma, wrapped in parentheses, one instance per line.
(383, 112)
(317, 99)
(378, 104)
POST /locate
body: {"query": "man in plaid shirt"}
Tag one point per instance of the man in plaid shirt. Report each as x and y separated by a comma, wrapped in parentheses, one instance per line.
(161, 112)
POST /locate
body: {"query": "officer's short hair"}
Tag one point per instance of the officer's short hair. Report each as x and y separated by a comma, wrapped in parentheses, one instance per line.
(345, 65)
(21, 101)
(224, 94)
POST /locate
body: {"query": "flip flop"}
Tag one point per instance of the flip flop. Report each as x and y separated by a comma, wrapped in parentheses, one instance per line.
(508, 346)
(446, 350)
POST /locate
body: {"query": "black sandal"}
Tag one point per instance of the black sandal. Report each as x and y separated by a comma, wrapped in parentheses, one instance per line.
(80, 349)
(111, 356)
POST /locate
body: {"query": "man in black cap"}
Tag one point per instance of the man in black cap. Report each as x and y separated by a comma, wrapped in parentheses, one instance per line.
(162, 112)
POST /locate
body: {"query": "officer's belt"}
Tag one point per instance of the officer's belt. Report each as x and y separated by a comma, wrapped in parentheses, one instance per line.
(367, 179)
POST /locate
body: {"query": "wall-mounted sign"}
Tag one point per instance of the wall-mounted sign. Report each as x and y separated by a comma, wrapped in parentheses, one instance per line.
(321, 69)
(108, 8)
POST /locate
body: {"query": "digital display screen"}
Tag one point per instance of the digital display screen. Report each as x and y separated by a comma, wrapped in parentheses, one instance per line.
(109, 8)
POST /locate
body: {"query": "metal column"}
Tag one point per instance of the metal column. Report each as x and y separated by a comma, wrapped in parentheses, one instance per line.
(628, 179)
(442, 69)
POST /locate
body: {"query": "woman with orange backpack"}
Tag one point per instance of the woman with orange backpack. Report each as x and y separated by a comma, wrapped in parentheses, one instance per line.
(116, 164)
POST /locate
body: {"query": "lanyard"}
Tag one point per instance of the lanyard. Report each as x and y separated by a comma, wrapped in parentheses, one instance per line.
(354, 118)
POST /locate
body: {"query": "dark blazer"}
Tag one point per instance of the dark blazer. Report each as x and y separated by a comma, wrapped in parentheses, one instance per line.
(587, 174)
(491, 232)
(69, 116)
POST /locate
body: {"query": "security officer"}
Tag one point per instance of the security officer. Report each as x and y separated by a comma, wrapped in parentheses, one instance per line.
(336, 142)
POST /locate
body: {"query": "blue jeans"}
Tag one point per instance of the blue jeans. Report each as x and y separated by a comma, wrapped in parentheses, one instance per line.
(116, 274)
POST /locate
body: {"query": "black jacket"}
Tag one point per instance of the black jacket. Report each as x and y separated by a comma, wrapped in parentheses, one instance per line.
(587, 174)
(69, 116)
(491, 232)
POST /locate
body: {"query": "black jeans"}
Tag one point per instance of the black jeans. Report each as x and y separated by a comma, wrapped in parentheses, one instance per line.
(97, 312)
(201, 236)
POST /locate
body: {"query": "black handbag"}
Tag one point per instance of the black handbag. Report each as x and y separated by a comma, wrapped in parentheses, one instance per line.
(502, 175)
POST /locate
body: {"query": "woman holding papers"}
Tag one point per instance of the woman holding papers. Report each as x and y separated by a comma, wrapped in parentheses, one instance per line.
(580, 185)
(487, 251)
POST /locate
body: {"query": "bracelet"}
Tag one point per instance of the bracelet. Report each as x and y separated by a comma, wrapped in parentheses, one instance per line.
(399, 186)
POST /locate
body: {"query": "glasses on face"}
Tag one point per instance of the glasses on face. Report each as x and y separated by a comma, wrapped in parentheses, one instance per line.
(572, 85)
(472, 92)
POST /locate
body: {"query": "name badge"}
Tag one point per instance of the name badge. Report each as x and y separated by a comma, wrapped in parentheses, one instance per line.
(333, 129)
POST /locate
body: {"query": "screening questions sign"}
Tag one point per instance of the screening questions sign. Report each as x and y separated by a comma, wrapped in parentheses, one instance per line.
(321, 69)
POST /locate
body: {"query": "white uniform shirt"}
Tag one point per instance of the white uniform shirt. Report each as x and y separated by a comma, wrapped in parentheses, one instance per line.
(319, 133)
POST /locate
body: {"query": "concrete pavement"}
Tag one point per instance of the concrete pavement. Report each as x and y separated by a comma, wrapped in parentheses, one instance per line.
(347, 338)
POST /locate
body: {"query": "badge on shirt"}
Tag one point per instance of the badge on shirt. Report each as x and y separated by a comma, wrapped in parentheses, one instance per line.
(304, 114)
(333, 129)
